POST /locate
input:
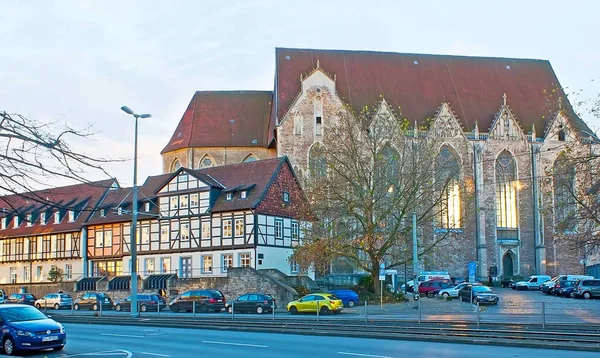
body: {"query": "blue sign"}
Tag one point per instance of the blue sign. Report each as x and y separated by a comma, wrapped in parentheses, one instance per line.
(382, 265)
(381, 274)
(472, 271)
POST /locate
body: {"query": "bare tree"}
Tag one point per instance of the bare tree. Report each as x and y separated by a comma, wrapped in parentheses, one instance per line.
(366, 180)
(35, 155)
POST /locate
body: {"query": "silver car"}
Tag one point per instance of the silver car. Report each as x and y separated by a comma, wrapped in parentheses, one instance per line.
(54, 300)
(453, 290)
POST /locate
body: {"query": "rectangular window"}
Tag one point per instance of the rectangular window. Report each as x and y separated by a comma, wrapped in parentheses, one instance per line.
(207, 264)
(26, 274)
(149, 266)
(43, 218)
(102, 212)
(185, 231)
(174, 203)
(13, 275)
(227, 261)
(4, 223)
(99, 238)
(68, 271)
(29, 222)
(193, 200)
(206, 230)
(183, 201)
(71, 215)
(244, 194)
(294, 268)
(145, 235)
(119, 211)
(185, 267)
(278, 228)
(39, 273)
(239, 227)
(227, 228)
(318, 126)
(295, 232)
(164, 233)
(229, 196)
(16, 221)
(56, 217)
(147, 207)
(286, 197)
(108, 239)
(165, 265)
(245, 259)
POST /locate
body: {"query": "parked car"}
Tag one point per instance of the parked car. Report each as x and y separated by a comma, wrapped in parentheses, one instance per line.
(533, 282)
(205, 301)
(564, 288)
(3, 296)
(548, 286)
(587, 289)
(25, 328)
(478, 293)
(252, 302)
(21, 298)
(145, 303)
(54, 300)
(432, 286)
(94, 301)
(348, 297)
(323, 302)
(452, 291)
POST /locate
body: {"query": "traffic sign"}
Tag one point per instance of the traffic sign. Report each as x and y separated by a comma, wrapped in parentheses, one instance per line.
(382, 265)
(381, 274)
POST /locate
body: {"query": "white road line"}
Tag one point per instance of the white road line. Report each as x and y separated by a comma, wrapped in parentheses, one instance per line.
(121, 335)
(120, 352)
(362, 355)
(155, 354)
(236, 344)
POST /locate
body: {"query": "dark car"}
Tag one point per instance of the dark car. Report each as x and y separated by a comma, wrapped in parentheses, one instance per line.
(21, 298)
(252, 302)
(145, 303)
(432, 286)
(564, 288)
(205, 301)
(348, 297)
(26, 328)
(477, 293)
(94, 301)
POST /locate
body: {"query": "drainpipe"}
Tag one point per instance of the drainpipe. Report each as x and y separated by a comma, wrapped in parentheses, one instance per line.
(83, 252)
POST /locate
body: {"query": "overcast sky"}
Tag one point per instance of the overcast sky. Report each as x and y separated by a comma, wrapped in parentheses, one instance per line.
(79, 61)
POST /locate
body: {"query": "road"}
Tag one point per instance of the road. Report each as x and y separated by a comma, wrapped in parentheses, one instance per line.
(126, 341)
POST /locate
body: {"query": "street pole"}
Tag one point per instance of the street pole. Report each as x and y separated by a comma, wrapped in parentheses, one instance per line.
(415, 254)
(133, 237)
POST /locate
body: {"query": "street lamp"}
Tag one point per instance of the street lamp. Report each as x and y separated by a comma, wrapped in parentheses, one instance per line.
(134, 214)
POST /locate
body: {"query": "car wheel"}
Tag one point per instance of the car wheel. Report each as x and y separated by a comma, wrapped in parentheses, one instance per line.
(260, 309)
(76, 307)
(587, 295)
(229, 309)
(293, 310)
(58, 348)
(445, 294)
(351, 303)
(95, 307)
(324, 310)
(118, 308)
(572, 295)
(174, 308)
(56, 306)
(9, 347)
(38, 306)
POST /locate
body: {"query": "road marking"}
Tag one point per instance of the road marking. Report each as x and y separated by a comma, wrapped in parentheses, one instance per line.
(362, 355)
(155, 354)
(122, 353)
(121, 335)
(236, 344)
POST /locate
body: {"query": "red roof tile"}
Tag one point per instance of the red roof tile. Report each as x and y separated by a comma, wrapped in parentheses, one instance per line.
(207, 122)
(419, 83)
(82, 198)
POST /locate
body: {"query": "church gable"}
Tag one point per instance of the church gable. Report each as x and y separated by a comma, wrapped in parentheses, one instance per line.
(318, 77)
(560, 129)
(445, 124)
(505, 125)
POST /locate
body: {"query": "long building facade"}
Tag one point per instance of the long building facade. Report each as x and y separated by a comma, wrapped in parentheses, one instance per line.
(505, 122)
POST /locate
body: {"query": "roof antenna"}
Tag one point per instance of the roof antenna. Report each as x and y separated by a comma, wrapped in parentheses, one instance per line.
(318, 64)
(504, 98)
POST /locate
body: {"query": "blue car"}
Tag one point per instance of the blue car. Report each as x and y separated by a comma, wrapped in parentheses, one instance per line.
(25, 328)
(349, 298)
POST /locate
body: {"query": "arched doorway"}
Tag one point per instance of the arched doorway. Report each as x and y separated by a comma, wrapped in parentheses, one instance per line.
(508, 264)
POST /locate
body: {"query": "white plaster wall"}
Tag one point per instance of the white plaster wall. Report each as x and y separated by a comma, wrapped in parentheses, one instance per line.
(76, 264)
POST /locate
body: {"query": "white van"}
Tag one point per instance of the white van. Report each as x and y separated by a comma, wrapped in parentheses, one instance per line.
(574, 277)
(533, 282)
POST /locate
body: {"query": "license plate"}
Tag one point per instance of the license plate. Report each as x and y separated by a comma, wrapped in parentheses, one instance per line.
(49, 338)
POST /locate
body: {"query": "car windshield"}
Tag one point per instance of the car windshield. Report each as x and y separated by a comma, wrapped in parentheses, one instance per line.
(332, 297)
(21, 314)
(481, 289)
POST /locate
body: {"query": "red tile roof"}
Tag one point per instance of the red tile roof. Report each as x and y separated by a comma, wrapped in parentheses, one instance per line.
(224, 119)
(82, 198)
(419, 83)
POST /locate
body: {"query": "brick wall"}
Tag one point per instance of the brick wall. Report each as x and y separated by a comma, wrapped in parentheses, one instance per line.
(273, 203)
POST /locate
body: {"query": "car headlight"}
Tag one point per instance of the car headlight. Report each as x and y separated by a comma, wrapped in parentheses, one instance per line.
(62, 329)
(25, 334)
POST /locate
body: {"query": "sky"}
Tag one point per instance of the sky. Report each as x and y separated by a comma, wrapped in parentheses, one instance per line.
(77, 62)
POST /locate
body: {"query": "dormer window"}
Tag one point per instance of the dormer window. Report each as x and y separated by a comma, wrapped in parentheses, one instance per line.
(286, 197)
(56, 217)
(42, 218)
(243, 194)
(29, 221)
(102, 213)
(229, 196)
(4, 220)
(119, 211)
(147, 207)
(71, 215)
(16, 222)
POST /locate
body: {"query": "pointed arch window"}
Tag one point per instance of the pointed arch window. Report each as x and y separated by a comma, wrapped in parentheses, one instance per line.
(316, 161)
(318, 116)
(565, 207)
(298, 122)
(447, 170)
(389, 169)
(206, 162)
(250, 158)
(561, 133)
(506, 191)
(175, 165)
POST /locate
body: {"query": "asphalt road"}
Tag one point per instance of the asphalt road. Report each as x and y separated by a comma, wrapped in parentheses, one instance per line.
(125, 341)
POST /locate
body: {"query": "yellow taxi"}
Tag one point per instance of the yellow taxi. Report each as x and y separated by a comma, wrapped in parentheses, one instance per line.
(323, 302)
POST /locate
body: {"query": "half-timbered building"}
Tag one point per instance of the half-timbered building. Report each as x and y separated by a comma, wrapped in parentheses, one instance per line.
(198, 223)
(42, 229)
